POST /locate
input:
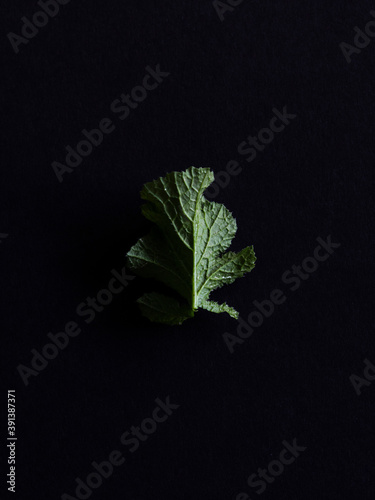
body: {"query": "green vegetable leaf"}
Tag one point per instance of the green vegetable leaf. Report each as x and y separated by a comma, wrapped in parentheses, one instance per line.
(185, 248)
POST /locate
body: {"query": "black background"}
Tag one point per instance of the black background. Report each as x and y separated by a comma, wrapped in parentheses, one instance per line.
(291, 378)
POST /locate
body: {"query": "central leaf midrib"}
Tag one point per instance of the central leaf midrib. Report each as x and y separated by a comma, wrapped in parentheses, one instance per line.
(194, 295)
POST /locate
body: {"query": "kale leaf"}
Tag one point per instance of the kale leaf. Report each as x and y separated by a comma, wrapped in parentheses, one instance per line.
(185, 248)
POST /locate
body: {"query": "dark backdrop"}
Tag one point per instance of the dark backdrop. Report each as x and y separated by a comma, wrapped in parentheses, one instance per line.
(289, 380)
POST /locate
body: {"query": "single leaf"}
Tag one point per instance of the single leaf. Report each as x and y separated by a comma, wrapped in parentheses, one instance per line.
(185, 248)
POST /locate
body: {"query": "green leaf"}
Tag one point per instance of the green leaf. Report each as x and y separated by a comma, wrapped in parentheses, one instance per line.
(185, 248)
